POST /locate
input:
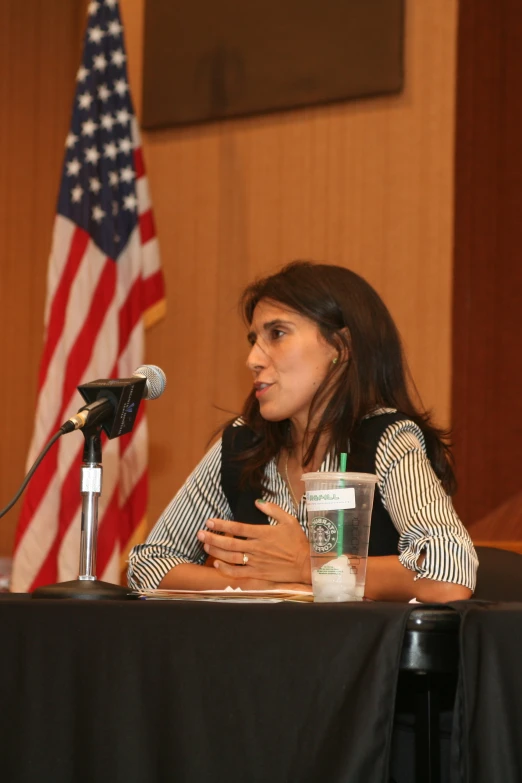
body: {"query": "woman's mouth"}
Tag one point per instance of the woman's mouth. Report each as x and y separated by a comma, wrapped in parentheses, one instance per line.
(261, 388)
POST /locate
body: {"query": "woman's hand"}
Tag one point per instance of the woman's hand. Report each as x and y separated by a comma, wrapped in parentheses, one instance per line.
(189, 576)
(277, 553)
(388, 580)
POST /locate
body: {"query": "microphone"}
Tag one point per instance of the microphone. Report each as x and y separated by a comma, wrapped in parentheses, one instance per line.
(155, 383)
(114, 403)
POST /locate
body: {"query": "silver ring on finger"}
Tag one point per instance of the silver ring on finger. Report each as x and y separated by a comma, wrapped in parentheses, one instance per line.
(245, 558)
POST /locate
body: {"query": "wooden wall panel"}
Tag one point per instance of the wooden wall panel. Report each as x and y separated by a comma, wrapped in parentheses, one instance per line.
(365, 184)
(39, 55)
(487, 336)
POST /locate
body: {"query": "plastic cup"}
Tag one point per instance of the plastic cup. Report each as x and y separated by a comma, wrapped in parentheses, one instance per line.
(339, 508)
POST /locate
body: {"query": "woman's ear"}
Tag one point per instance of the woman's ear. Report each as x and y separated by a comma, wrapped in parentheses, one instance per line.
(344, 341)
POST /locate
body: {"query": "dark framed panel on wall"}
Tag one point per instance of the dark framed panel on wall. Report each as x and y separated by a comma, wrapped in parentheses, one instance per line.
(206, 60)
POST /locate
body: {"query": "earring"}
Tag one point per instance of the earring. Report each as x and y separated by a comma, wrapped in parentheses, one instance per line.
(335, 360)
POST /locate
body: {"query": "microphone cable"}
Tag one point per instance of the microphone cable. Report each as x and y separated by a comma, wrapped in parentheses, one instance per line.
(29, 476)
(156, 381)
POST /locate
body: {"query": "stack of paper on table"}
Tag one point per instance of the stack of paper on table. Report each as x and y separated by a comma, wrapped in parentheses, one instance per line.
(229, 594)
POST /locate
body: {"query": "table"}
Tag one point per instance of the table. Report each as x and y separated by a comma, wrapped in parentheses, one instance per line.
(155, 691)
(487, 734)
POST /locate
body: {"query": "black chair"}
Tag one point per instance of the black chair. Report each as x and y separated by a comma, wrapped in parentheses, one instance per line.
(425, 696)
(429, 668)
(499, 576)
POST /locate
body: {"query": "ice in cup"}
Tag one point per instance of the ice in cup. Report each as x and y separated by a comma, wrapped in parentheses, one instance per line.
(339, 508)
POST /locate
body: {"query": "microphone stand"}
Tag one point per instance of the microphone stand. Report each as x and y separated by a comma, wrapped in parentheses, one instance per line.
(87, 586)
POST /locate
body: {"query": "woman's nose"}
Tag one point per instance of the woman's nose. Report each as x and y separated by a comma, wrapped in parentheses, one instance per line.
(256, 359)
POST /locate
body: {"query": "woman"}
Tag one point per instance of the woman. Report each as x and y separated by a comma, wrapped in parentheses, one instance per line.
(329, 377)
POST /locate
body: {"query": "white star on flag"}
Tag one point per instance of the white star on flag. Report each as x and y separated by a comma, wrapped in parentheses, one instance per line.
(125, 146)
(130, 202)
(103, 93)
(85, 100)
(92, 155)
(99, 62)
(111, 3)
(110, 150)
(92, 7)
(127, 174)
(94, 184)
(122, 116)
(113, 178)
(82, 73)
(121, 87)
(95, 35)
(118, 58)
(88, 127)
(97, 213)
(107, 121)
(73, 167)
(114, 28)
(71, 140)
(76, 193)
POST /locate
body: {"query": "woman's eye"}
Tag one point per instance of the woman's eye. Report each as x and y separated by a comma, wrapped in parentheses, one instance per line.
(277, 333)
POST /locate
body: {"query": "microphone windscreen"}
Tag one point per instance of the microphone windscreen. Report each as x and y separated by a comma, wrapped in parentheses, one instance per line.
(156, 380)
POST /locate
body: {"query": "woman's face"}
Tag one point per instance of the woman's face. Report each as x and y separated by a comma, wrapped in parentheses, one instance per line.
(289, 360)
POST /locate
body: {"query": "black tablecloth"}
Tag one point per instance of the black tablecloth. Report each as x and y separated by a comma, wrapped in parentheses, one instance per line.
(110, 692)
(487, 738)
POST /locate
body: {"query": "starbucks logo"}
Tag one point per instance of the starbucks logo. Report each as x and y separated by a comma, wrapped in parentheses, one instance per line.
(323, 534)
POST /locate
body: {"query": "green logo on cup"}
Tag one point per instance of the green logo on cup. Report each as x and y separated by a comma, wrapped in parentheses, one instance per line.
(323, 534)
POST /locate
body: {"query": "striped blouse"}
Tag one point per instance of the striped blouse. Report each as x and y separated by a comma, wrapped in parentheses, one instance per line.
(412, 494)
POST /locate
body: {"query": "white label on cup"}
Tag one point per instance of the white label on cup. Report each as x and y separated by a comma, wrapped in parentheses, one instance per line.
(329, 499)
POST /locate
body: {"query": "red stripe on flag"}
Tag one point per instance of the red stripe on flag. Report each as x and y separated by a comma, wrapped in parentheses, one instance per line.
(79, 357)
(79, 244)
(147, 226)
(133, 510)
(81, 351)
(70, 502)
(108, 533)
(138, 162)
(35, 492)
(130, 313)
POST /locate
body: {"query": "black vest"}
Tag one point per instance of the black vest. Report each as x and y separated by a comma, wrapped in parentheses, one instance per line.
(384, 537)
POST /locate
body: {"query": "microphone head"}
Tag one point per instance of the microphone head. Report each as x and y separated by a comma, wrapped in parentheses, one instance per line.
(156, 380)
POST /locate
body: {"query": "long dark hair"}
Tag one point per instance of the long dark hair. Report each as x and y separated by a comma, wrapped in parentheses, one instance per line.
(352, 317)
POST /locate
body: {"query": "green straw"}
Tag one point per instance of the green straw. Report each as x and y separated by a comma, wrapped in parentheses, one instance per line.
(340, 513)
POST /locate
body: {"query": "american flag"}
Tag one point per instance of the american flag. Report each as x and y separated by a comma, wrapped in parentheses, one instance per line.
(104, 287)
